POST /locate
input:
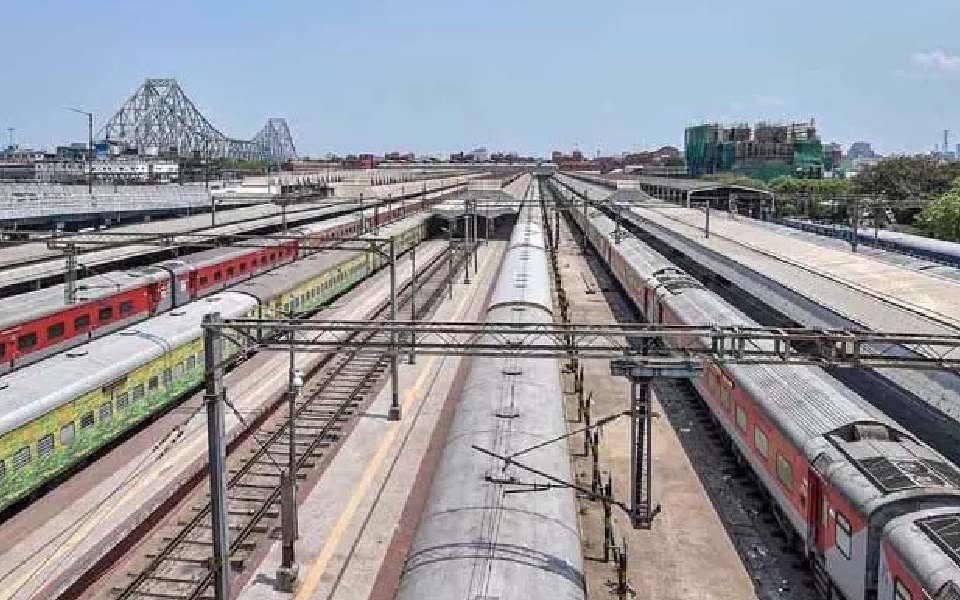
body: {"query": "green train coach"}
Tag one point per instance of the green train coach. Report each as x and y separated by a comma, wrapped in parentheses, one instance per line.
(57, 412)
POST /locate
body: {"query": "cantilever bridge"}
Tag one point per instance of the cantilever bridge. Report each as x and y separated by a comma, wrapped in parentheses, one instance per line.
(159, 119)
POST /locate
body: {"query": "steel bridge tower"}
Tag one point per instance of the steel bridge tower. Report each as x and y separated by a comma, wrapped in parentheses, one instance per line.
(160, 120)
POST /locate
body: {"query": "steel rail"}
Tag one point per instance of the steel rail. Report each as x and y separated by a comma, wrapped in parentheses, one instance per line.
(318, 437)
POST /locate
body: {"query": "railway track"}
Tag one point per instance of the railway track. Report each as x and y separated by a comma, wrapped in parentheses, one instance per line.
(745, 511)
(180, 566)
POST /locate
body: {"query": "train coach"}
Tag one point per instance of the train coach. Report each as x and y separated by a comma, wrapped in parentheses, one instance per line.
(475, 539)
(56, 412)
(40, 323)
(904, 243)
(847, 483)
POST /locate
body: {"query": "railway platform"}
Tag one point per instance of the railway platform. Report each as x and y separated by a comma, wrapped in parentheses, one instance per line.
(688, 536)
(931, 302)
(832, 288)
(357, 519)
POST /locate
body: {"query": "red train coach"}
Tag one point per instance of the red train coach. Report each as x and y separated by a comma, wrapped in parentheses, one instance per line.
(39, 323)
(837, 472)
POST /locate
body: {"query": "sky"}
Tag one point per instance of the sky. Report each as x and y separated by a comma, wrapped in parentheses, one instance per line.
(434, 76)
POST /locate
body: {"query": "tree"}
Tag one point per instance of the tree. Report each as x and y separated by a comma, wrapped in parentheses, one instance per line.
(808, 196)
(941, 218)
(736, 179)
(905, 177)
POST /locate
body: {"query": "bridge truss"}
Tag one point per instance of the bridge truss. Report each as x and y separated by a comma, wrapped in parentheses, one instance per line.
(160, 120)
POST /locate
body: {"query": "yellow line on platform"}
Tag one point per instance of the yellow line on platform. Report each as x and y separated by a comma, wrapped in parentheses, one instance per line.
(319, 566)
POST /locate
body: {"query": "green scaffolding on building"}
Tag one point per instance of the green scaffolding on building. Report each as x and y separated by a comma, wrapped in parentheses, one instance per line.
(708, 150)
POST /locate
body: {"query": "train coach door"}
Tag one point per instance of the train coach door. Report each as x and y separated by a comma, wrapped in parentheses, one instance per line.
(818, 519)
(816, 511)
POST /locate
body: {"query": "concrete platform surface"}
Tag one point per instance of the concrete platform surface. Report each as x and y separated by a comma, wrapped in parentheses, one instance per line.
(687, 555)
(349, 518)
(933, 298)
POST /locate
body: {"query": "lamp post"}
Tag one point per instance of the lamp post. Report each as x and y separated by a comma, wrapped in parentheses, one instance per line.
(89, 147)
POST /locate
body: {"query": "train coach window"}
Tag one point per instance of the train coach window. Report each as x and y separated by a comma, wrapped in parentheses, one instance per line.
(81, 322)
(105, 411)
(123, 401)
(55, 331)
(900, 591)
(178, 370)
(3, 470)
(216, 275)
(167, 378)
(741, 418)
(154, 383)
(138, 392)
(243, 267)
(784, 471)
(86, 420)
(25, 342)
(3, 349)
(66, 434)
(191, 363)
(843, 534)
(203, 281)
(229, 271)
(106, 313)
(45, 445)
(21, 458)
(126, 307)
(760, 441)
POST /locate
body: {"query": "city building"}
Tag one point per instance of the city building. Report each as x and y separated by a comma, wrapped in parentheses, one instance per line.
(860, 150)
(832, 157)
(478, 155)
(16, 154)
(764, 151)
(73, 152)
(121, 171)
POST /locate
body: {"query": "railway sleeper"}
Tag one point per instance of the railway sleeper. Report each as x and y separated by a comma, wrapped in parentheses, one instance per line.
(334, 403)
(256, 529)
(166, 579)
(318, 414)
(309, 436)
(241, 512)
(314, 427)
(254, 486)
(259, 499)
(306, 444)
(178, 559)
(267, 463)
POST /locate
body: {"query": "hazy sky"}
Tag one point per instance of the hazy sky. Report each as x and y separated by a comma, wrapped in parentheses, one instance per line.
(436, 76)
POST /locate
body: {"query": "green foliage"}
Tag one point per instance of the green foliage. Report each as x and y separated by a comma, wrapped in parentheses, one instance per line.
(941, 218)
(735, 179)
(825, 188)
(906, 177)
(811, 197)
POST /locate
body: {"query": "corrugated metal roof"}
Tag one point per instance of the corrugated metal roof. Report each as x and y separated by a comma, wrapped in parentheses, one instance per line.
(36, 389)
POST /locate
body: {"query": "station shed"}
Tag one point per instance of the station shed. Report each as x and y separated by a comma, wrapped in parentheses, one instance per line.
(754, 202)
(495, 210)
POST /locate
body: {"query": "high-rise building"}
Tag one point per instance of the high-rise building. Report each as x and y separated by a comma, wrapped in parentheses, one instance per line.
(766, 151)
(860, 150)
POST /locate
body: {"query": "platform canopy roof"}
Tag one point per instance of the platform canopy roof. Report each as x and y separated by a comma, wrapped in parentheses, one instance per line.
(489, 203)
(698, 185)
